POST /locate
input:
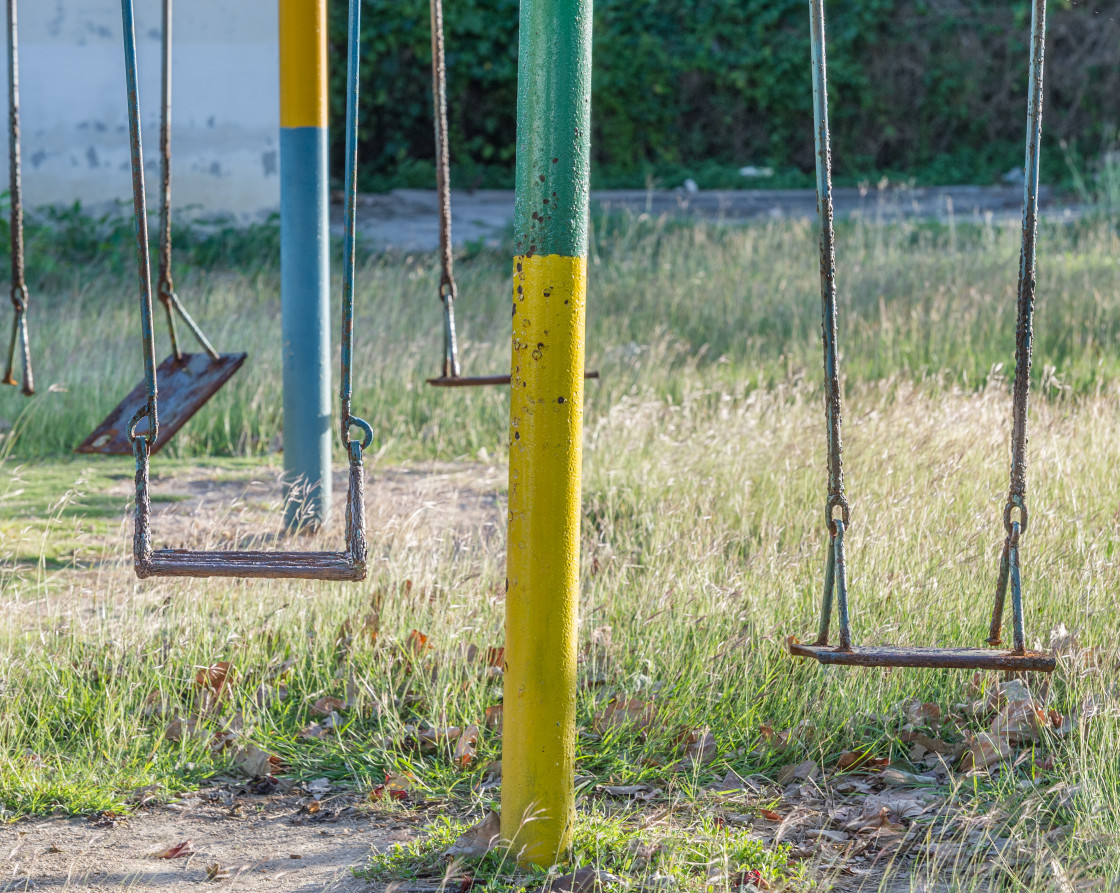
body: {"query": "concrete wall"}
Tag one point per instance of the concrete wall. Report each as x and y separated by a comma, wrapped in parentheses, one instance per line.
(225, 103)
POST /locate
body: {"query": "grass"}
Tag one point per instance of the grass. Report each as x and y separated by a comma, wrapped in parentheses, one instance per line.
(702, 548)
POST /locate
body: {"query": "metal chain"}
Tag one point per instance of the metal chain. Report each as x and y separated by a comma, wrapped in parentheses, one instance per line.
(833, 404)
(21, 341)
(1017, 491)
(447, 289)
(165, 289)
(143, 262)
(835, 575)
(1009, 574)
(349, 243)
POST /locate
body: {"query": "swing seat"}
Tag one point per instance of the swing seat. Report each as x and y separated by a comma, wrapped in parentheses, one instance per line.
(340, 566)
(184, 387)
(933, 658)
(465, 381)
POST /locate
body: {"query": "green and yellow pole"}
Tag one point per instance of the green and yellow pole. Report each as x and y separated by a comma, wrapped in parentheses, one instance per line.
(304, 262)
(546, 427)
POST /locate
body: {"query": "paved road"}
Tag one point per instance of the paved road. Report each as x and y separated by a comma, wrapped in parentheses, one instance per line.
(406, 218)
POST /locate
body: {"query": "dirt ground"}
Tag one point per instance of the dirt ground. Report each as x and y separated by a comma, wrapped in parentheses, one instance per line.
(257, 842)
(253, 844)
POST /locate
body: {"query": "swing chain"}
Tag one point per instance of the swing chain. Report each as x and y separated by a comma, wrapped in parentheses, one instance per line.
(447, 289)
(832, 395)
(165, 288)
(1024, 326)
(20, 341)
(354, 448)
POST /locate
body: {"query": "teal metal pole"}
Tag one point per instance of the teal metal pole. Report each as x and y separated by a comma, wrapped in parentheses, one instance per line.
(304, 262)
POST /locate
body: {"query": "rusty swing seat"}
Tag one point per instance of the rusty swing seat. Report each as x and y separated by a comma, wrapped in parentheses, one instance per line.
(346, 566)
(187, 380)
(1018, 658)
(142, 430)
(929, 658)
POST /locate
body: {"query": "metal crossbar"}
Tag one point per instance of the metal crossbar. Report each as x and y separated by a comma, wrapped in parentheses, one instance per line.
(143, 429)
(837, 510)
(463, 381)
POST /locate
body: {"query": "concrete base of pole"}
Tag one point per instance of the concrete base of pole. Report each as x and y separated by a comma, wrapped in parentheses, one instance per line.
(305, 324)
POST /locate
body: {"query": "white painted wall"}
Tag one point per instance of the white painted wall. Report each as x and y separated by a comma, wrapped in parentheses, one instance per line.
(225, 103)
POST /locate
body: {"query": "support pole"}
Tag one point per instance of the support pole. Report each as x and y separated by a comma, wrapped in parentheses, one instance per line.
(304, 262)
(546, 427)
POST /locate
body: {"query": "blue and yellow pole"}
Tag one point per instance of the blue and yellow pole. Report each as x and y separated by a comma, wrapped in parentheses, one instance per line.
(546, 427)
(304, 261)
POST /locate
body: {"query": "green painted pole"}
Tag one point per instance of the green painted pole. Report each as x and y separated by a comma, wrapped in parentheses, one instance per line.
(546, 427)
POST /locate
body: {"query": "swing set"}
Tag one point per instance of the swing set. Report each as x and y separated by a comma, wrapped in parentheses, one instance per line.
(837, 511)
(143, 430)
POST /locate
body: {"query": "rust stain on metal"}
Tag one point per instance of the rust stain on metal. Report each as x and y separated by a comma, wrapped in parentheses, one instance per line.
(184, 386)
(930, 658)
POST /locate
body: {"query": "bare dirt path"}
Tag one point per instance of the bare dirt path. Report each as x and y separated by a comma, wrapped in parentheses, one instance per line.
(256, 844)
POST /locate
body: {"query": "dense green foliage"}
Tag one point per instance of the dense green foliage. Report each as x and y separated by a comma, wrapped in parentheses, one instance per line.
(934, 88)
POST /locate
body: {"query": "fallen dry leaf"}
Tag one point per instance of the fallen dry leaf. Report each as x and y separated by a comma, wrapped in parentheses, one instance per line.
(770, 815)
(730, 784)
(255, 762)
(934, 745)
(417, 643)
(465, 747)
(396, 787)
(493, 720)
(477, 840)
(627, 712)
(983, 751)
(180, 729)
(898, 777)
(496, 657)
(804, 771)
(699, 749)
(216, 872)
(326, 705)
(1019, 721)
(215, 677)
(184, 848)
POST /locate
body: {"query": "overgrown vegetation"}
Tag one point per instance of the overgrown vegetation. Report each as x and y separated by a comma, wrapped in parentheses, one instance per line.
(702, 549)
(931, 89)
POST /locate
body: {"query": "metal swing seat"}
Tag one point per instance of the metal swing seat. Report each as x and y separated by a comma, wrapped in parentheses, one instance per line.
(346, 565)
(451, 375)
(1017, 658)
(188, 380)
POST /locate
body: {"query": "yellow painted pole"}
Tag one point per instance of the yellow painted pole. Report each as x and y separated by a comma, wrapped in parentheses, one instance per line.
(546, 428)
